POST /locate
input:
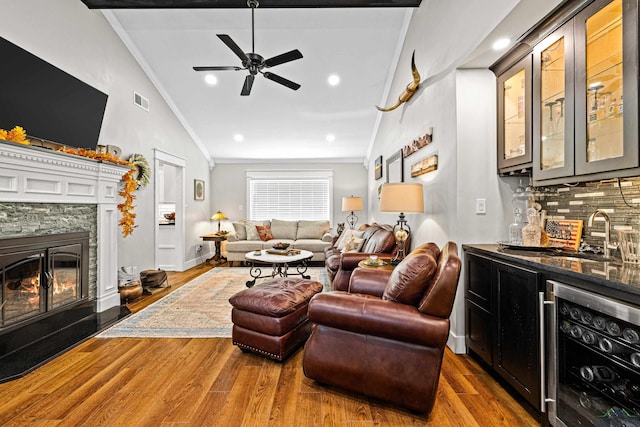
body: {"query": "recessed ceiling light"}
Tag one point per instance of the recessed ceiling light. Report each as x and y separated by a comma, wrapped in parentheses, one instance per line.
(331, 137)
(211, 79)
(334, 80)
(238, 137)
(500, 44)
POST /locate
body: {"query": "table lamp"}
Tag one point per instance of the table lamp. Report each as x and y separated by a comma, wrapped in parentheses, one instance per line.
(401, 198)
(352, 203)
(218, 216)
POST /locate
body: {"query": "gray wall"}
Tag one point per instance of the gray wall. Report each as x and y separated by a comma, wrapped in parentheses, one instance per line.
(229, 186)
(81, 42)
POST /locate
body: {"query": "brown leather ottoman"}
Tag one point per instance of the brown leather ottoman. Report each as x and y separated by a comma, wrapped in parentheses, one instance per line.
(271, 319)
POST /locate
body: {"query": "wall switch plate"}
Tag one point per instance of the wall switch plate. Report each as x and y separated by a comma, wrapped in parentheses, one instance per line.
(481, 206)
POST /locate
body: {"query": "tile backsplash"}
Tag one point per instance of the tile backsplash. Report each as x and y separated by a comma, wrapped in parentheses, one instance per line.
(580, 201)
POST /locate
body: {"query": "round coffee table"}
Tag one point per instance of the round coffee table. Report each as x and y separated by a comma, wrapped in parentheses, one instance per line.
(279, 263)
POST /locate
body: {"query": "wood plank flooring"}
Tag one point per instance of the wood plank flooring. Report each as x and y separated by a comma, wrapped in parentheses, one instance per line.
(209, 382)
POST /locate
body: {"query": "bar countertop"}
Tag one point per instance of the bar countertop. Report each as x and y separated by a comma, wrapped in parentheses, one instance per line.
(609, 277)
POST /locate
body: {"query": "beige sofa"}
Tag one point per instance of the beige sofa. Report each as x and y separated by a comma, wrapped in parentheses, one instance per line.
(305, 235)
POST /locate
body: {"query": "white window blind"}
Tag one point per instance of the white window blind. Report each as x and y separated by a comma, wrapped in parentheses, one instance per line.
(306, 197)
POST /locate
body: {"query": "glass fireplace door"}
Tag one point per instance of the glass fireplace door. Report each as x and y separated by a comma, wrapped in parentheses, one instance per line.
(21, 278)
(63, 276)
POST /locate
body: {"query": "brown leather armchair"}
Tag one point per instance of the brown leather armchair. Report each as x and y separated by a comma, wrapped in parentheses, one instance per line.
(385, 338)
(378, 240)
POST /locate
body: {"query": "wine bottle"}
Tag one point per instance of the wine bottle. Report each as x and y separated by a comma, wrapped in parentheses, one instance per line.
(631, 335)
(613, 328)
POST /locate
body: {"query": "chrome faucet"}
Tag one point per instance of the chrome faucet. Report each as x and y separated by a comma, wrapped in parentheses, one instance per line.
(607, 230)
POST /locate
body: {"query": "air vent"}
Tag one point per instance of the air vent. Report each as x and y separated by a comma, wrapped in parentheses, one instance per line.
(140, 101)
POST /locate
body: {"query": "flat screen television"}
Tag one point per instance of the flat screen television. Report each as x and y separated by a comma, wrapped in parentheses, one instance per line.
(47, 102)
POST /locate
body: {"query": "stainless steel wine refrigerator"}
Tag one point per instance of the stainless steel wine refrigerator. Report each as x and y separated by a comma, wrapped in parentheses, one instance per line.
(593, 358)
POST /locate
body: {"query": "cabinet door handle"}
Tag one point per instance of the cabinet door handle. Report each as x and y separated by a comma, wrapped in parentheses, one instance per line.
(543, 376)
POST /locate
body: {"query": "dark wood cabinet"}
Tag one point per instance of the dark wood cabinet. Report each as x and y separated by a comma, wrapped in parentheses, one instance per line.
(502, 323)
(517, 349)
(514, 117)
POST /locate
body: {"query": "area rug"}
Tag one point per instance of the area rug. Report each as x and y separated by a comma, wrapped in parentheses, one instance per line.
(199, 309)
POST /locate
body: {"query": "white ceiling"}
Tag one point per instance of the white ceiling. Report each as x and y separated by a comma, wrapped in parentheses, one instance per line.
(361, 45)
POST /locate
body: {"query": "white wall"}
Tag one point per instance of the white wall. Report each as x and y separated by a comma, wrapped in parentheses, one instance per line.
(79, 41)
(229, 191)
(460, 107)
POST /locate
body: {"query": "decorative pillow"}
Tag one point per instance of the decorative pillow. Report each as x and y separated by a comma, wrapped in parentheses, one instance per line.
(241, 231)
(252, 231)
(312, 229)
(347, 235)
(264, 231)
(353, 245)
(412, 276)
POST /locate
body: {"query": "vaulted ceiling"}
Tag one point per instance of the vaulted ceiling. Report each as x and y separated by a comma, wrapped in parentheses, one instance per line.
(360, 44)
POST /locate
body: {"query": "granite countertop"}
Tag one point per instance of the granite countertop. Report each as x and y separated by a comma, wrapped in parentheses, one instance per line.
(612, 274)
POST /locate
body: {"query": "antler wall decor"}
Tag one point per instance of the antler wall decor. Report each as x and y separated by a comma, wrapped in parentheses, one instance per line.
(411, 87)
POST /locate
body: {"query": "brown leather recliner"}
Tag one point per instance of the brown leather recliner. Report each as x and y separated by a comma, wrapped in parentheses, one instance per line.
(385, 338)
(378, 240)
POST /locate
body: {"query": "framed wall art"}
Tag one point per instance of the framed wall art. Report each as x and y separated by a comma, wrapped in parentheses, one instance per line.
(418, 143)
(378, 167)
(424, 166)
(395, 167)
(198, 189)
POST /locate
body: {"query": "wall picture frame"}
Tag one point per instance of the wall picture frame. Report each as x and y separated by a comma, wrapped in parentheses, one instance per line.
(395, 167)
(198, 189)
(378, 168)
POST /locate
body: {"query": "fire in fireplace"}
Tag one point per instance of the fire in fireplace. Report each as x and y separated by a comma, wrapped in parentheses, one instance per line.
(41, 274)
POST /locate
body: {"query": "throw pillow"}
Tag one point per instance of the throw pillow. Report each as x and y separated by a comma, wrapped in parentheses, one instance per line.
(312, 229)
(412, 276)
(353, 245)
(241, 231)
(264, 231)
(346, 236)
(252, 231)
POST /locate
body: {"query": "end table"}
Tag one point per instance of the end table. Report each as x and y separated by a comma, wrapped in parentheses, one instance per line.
(218, 239)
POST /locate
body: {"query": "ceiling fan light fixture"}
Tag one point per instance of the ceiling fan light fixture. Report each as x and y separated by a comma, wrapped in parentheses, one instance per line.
(333, 80)
(331, 137)
(238, 137)
(211, 80)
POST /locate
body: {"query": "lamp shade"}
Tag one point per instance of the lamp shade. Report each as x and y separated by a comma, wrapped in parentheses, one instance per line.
(218, 216)
(352, 203)
(402, 197)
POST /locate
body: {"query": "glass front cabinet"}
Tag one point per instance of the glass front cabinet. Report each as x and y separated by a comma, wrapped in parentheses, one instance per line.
(585, 90)
(514, 110)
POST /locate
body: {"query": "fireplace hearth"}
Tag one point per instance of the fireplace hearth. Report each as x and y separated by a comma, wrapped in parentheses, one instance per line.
(44, 303)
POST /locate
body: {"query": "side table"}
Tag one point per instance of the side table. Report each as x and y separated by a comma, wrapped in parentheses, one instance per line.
(387, 265)
(218, 239)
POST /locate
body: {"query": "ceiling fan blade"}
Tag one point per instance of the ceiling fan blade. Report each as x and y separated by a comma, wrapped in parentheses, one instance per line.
(221, 68)
(233, 46)
(248, 83)
(292, 55)
(276, 78)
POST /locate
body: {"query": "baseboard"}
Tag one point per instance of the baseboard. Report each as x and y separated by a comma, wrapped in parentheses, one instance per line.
(456, 343)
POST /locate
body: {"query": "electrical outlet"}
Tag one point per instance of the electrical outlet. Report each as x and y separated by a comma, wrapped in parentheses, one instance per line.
(198, 248)
(481, 206)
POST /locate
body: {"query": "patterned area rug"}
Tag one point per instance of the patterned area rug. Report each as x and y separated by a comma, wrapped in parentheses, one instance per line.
(199, 309)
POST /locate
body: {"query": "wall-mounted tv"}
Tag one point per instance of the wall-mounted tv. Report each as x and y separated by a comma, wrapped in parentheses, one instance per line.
(47, 102)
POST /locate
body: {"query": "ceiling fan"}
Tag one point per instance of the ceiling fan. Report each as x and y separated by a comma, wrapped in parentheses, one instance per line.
(253, 62)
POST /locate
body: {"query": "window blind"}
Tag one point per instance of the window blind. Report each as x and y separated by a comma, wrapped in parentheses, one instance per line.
(289, 198)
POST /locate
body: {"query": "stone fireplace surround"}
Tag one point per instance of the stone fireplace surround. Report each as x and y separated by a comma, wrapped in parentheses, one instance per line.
(47, 192)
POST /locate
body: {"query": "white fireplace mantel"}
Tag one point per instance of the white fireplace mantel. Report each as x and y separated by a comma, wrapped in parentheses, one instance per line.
(36, 175)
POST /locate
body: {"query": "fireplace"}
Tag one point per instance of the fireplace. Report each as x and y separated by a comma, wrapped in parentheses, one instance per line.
(42, 274)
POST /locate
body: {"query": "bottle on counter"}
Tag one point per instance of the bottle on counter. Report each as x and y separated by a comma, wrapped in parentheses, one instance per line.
(515, 229)
(532, 232)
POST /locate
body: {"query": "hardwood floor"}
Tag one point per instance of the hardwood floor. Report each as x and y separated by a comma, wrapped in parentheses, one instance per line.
(209, 382)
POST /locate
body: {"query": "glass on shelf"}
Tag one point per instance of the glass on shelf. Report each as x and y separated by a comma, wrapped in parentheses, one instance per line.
(514, 112)
(552, 93)
(604, 83)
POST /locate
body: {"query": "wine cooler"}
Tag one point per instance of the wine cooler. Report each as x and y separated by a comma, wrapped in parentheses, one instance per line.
(594, 373)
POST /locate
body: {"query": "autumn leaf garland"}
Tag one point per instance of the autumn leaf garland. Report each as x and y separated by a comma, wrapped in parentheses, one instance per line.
(126, 208)
(17, 134)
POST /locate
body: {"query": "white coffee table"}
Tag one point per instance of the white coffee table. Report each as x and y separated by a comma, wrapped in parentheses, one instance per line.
(280, 264)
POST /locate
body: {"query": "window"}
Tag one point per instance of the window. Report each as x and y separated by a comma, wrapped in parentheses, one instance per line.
(290, 195)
